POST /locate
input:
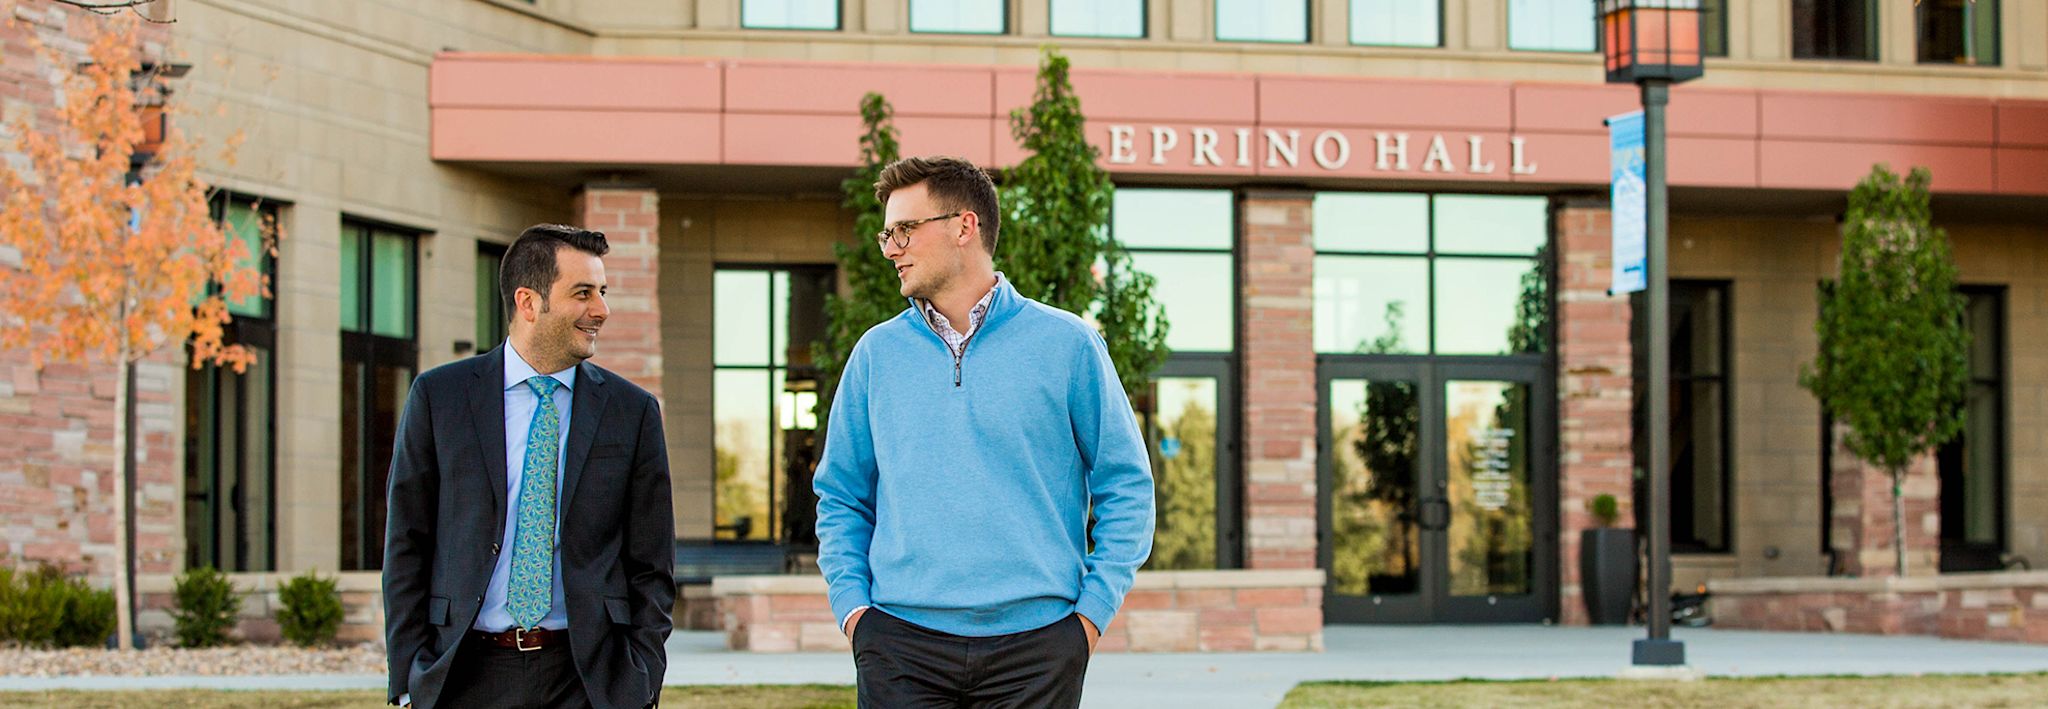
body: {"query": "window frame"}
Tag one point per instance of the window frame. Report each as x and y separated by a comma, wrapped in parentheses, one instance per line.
(1351, 37)
(494, 314)
(1874, 37)
(911, 22)
(258, 331)
(1508, 23)
(1144, 24)
(1430, 256)
(838, 21)
(370, 350)
(1999, 381)
(1225, 366)
(1997, 38)
(777, 521)
(1308, 26)
(1725, 381)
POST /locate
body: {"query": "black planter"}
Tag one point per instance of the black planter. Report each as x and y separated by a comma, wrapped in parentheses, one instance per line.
(1607, 573)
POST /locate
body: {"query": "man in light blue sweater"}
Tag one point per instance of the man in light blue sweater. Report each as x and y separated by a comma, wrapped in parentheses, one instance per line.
(970, 437)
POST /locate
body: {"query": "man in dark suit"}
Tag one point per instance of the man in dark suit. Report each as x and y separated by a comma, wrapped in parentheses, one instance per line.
(529, 553)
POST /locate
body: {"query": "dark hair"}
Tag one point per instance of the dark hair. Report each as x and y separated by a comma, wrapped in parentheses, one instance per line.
(530, 262)
(954, 183)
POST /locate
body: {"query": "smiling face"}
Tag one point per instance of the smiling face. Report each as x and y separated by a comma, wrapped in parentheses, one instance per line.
(933, 258)
(563, 326)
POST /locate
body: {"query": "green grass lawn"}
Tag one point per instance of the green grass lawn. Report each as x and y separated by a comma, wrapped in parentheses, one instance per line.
(1790, 693)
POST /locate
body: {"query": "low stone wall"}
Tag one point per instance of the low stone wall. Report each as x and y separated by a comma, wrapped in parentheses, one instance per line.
(2009, 606)
(362, 605)
(1166, 611)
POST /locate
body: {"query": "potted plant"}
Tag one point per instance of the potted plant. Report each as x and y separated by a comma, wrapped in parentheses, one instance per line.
(1607, 564)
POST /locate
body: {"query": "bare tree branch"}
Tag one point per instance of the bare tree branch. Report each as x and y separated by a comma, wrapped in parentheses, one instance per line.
(112, 7)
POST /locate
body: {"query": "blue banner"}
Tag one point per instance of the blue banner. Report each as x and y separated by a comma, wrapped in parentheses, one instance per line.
(1631, 255)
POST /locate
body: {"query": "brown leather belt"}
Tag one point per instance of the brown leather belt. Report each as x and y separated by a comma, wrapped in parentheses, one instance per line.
(524, 640)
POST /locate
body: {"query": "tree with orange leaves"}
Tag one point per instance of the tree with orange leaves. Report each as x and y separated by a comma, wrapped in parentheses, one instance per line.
(108, 251)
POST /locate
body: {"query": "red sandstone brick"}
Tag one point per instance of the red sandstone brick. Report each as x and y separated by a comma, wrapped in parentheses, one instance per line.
(1270, 597)
(1289, 621)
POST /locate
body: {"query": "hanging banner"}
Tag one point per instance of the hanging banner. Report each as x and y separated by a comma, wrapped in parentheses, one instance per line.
(1628, 196)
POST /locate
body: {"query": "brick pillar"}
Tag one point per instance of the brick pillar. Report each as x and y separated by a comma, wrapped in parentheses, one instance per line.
(1279, 381)
(1862, 514)
(630, 218)
(1594, 388)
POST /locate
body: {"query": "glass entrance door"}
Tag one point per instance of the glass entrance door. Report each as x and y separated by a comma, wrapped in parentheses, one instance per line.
(1436, 488)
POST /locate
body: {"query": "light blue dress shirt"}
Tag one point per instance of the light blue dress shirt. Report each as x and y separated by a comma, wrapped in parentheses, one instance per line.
(520, 403)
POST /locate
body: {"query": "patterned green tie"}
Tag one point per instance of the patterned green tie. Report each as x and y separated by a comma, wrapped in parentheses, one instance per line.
(533, 544)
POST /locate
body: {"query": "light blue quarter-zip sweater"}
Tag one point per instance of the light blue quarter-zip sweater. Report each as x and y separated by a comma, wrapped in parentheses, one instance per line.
(955, 494)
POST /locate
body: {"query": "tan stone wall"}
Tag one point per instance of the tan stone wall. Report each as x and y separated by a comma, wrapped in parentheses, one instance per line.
(698, 234)
(331, 99)
(1774, 266)
(1181, 38)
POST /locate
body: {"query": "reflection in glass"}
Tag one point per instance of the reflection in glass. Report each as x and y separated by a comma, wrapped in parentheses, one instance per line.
(245, 223)
(353, 498)
(1098, 18)
(1182, 435)
(1550, 25)
(1195, 292)
(1262, 20)
(1487, 443)
(1375, 433)
(352, 278)
(790, 14)
(1491, 224)
(1699, 468)
(1172, 219)
(741, 450)
(1489, 306)
(739, 334)
(1401, 23)
(957, 16)
(391, 257)
(1371, 222)
(491, 319)
(1375, 304)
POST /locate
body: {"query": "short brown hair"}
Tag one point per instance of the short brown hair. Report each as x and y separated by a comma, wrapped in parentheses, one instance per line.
(954, 183)
(530, 263)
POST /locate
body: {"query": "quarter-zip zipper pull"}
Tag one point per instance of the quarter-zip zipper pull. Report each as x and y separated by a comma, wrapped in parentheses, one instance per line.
(956, 372)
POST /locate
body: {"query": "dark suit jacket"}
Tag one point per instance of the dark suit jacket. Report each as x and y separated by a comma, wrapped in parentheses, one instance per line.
(447, 517)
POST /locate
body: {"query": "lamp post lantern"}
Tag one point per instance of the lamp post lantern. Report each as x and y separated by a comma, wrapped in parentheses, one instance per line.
(1654, 44)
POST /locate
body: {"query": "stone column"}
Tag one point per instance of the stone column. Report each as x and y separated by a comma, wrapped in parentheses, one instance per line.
(1594, 388)
(1279, 363)
(630, 217)
(1862, 515)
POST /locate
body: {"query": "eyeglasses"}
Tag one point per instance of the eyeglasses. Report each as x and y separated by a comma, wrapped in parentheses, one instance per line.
(899, 233)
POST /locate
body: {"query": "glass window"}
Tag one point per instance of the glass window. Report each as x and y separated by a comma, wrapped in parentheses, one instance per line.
(491, 317)
(959, 16)
(1373, 223)
(1371, 304)
(1397, 23)
(1714, 18)
(1487, 224)
(1700, 472)
(1375, 469)
(1182, 431)
(379, 357)
(1551, 25)
(764, 400)
(1486, 438)
(229, 434)
(789, 14)
(1183, 239)
(1261, 21)
(1423, 274)
(1834, 29)
(1958, 32)
(1098, 18)
(1972, 465)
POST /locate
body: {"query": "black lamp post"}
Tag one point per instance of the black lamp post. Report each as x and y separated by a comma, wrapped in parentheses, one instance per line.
(1654, 44)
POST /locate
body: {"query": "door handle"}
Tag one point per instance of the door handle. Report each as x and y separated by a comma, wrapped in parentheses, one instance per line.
(1442, 522)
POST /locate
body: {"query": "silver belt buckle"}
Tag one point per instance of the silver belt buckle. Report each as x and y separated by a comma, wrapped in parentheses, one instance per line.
(519, 640)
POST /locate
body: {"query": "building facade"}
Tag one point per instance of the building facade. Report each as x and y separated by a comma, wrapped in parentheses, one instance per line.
(1380, 229)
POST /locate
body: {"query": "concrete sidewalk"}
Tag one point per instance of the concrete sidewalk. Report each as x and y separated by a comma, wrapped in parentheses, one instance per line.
(1410, 653)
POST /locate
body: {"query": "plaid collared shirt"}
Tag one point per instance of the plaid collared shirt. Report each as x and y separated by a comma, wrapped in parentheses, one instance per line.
(956, 341)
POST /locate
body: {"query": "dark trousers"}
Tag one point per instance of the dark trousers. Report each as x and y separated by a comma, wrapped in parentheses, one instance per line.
(486, 675)
(904, 665)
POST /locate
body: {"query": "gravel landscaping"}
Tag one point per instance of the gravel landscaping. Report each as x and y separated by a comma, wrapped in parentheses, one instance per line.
(365, 658)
